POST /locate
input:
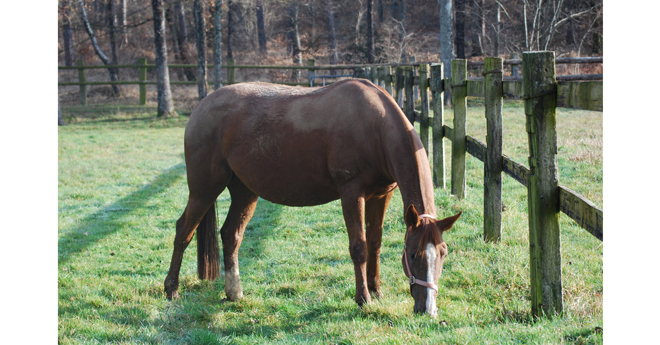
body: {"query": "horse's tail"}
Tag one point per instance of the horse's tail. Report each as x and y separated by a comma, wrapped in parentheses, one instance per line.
(208, 253)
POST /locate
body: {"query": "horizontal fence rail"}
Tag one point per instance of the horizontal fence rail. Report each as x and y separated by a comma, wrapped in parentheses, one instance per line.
(380, 73)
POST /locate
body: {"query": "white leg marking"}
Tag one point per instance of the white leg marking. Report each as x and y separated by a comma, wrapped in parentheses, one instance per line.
(431, 254)
(233, 284)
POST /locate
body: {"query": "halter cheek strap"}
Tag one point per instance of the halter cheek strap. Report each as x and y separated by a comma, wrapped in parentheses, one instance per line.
(411, 279)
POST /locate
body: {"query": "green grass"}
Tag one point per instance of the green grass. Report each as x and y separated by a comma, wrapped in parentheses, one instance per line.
(122, 186)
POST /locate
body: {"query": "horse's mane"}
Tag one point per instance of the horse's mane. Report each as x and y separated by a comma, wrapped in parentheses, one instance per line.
(429, 234)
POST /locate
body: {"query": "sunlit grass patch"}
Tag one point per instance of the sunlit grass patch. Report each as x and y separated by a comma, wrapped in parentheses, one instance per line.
(122, 185)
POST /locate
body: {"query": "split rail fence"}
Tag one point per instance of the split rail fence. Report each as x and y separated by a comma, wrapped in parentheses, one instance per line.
(541, 90)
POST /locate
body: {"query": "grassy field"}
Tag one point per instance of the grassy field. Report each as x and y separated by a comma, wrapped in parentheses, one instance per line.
(121, 187)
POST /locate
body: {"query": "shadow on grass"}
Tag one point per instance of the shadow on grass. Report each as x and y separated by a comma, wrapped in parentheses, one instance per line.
(103, 223)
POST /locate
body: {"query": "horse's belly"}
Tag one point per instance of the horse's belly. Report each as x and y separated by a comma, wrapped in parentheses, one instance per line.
(291, 180)
(290, 190)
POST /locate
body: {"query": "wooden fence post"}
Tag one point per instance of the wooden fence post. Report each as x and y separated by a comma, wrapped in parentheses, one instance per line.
(424, 97)
(493, 160)
(437, 92)
(143, 78)
(379, 76)
(412, 60)
(399, 81)
(231, 72)
(311, 73)
(361, 72)
(409, 104)
(82, 79)
(374, 74)
(540, 94)
(514, 68)
(458, 146)
(388, 79)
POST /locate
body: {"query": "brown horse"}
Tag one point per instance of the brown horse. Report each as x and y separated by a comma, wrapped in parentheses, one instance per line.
(302, 147)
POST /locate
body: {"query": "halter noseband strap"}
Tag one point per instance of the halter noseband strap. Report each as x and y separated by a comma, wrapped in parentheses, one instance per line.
(411, 279)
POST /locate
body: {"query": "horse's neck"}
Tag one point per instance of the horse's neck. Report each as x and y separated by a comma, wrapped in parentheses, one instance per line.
(412, 173)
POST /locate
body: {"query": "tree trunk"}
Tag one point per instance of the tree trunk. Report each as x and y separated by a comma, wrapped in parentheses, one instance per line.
(370, 32)
(122, 22)
(67, 33)
(97, 49)
(260, 28)
(295, 38)
(332, 36)
(200, 33)
(380, 11)
(460, 29)
(230, 28)
(165, 106)
(217, 45)
(182, 37)
(112, 23)
(399, 15)
(175, 42)
(476, 27)
(496, 50)
(446, 40)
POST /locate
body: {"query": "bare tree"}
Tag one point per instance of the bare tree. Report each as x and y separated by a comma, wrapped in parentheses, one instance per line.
(230, 28)
(380, 11)
(332, 35)
(122, 21)
(97, 49)
(399, 16)
(477, 27)
(260, 28)
(460, 28)
(67, 33)
(112, 24)
(295, 37)
(217, 45)
(370, 32)
(200, 33)
(182, 38)
(165, 105)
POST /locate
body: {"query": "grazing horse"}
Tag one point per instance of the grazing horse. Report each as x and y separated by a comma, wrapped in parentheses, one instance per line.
(303, 147)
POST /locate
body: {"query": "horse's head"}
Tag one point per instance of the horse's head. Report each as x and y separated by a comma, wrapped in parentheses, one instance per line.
(423, 255)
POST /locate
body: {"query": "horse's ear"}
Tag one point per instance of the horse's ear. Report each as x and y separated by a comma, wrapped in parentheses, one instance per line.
(412, 217)
(447, 223)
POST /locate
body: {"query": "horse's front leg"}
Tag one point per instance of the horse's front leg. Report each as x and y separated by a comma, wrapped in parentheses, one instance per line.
(375, 209)
(353, 207)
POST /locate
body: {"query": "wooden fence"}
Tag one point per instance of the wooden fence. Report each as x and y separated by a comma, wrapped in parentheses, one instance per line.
(546, 197)
(542, 92)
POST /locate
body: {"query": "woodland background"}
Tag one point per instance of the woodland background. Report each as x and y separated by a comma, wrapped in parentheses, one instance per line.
(288, 32)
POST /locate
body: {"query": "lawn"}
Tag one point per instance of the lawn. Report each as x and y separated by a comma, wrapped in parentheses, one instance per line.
(122, 186)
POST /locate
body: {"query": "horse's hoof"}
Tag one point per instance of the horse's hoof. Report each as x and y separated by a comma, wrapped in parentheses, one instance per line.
(362, 300)
(234, 296)
(171, 295)
(378, 293)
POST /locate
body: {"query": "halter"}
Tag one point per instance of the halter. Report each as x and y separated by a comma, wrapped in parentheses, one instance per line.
(411, 279)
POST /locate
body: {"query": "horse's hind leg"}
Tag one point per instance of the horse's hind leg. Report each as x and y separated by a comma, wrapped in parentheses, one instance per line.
(185, 228)
(204, 190)
(375, 209)
(243, 203)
